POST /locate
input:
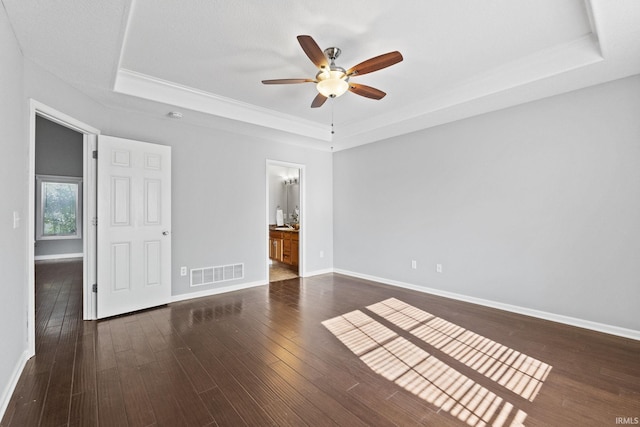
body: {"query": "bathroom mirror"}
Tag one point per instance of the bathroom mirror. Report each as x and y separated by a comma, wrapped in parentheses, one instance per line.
(284, 194)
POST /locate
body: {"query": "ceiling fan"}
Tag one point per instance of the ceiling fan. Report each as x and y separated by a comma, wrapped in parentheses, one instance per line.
(333, 81)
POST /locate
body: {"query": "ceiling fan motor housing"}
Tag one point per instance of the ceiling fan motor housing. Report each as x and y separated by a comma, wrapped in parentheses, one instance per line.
(332, 53)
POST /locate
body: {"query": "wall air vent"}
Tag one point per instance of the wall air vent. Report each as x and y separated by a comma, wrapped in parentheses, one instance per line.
(211, 275)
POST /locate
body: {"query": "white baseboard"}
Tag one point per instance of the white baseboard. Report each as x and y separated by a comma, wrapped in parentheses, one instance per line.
(57, 256)
(318, 272)
(216, 291)
(11, 386)
(581, 323)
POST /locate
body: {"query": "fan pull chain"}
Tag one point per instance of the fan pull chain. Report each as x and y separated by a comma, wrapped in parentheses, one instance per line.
(332, 127)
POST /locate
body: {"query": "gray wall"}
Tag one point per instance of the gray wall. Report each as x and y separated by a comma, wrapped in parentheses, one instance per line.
(219, 195)
(212, 169)
(58, 152)
(13, 191)
(536, 206)
(218, 184)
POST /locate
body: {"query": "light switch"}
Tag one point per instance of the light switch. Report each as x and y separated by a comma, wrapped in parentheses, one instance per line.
(16, 219)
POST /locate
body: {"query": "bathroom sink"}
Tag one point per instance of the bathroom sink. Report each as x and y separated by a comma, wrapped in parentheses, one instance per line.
(284, 229)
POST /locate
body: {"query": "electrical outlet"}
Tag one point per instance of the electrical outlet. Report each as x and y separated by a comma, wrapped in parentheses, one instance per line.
(438, 268)
(414, 264)
(183, 271)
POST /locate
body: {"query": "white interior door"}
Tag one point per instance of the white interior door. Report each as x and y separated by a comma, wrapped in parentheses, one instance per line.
(134, 225)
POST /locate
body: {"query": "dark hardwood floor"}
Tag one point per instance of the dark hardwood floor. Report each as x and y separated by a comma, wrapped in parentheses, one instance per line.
(326, 350)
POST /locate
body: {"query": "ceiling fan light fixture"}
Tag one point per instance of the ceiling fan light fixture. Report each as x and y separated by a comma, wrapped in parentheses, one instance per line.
(332, 83)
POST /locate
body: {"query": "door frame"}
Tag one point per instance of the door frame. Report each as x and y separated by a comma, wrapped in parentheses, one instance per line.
(88, 213)
(302, 220)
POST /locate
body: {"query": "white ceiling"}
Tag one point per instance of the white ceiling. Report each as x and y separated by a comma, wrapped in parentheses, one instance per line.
(207, 58)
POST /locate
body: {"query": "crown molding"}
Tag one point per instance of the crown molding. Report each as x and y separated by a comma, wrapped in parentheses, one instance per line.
(448, 105)
(459, 102)
(147, 87)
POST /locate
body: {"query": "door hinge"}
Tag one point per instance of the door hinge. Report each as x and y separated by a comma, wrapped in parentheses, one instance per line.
(94, 288)
(94, 220)
(95, 154)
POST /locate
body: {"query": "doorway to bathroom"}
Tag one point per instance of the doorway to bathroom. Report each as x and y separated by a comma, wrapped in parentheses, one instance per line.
(284, 221)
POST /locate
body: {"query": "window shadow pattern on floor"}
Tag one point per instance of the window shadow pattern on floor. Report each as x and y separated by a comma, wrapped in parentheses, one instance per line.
(421, 373)
(511, 369)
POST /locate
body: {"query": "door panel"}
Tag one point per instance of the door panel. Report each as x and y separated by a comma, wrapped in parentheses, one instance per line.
(134, 223)
(121, 266)
(152, 262)
(153, 199)
(121, 200)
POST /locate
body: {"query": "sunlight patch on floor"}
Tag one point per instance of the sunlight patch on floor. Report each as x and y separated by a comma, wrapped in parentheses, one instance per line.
(409, 366)
(511, 369)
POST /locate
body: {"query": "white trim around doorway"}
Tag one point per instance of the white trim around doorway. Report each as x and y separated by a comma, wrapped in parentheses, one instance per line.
(302, 272)
(90, 135)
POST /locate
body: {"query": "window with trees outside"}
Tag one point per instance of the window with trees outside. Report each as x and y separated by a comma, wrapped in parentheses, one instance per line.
(59, 207)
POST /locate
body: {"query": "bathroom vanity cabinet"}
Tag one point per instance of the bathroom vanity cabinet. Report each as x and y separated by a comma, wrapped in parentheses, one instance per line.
(284, 246)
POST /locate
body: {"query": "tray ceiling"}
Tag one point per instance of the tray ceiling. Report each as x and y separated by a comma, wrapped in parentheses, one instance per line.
(207, 58)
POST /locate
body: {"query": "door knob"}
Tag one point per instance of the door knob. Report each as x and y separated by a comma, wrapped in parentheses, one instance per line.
(165, 233)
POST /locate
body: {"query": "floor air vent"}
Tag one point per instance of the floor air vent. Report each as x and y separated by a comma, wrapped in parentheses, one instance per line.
(211, 275)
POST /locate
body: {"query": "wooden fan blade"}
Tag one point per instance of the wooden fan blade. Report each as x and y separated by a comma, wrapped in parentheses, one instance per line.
(318, 101)
(286, 81)
(375, 64)
(313, 51)
(366, 91)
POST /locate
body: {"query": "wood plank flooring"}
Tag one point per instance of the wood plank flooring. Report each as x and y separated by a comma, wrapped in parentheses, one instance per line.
(263, 357)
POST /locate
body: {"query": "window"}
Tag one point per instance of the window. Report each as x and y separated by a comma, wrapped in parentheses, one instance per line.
(59, 207)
